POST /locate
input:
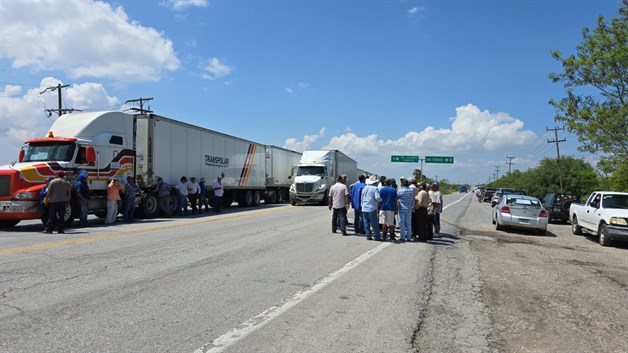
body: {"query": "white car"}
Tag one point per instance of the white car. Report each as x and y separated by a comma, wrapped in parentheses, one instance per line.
(520, 211)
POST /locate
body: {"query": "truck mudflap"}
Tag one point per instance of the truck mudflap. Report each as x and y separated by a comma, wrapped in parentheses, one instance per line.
(18, 210)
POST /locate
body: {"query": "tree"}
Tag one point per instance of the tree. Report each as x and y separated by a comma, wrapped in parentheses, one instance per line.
(598, 112)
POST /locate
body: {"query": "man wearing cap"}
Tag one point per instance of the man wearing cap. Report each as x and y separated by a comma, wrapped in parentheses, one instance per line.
(203, 196)
(59, 191)
(182, 195)
(370, 204)
(218, 193)
(437, 202)
(339, 202)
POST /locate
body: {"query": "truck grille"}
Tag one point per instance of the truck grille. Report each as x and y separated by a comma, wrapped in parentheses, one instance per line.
(305, 187)
(5, 185)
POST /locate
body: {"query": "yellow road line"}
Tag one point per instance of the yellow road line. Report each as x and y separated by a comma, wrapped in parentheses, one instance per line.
(90, 239)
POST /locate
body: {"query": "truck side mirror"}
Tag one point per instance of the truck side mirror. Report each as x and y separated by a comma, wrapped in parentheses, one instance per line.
(20, 158)
(90, 154)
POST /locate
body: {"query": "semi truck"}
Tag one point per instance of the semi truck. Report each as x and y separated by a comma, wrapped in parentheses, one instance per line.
(281, 168)
(106, 145)
(317, 172)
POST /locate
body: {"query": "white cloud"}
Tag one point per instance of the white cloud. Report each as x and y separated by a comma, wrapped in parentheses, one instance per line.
(415, 10)
(215, 69)
(84, 39)
(182, 4)
(307, 143)
(23, 117)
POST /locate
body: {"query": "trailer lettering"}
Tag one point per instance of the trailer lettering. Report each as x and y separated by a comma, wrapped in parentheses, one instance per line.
(216, 161)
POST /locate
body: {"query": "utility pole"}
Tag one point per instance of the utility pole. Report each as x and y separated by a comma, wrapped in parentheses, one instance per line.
(421, 159)
(52, 89)
(141, 109)
(557, 141)
(496, 172)
(510, 163)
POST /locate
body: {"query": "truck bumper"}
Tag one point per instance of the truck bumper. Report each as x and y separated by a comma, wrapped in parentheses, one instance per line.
(307, 198)
(14, 210)
(617, 233)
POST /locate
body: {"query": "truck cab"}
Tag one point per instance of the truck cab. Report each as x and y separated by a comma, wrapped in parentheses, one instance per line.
(310, 184)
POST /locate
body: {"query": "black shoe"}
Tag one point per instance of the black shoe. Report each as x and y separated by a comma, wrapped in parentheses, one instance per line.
(369, 238)
(333, 231)
(344, 233)
(47, 232)
(60, 232)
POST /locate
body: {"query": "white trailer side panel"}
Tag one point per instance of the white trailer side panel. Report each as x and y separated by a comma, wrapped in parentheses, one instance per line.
(280, 164)
(180, 149)
(346, 166)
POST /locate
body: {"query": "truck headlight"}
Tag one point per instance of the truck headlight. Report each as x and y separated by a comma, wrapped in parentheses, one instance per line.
(619, 221)
(292, 188)
(24, 195)
(321, 188)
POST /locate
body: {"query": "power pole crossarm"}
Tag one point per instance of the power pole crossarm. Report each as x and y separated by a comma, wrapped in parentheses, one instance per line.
(510, 163)
(58, 88)
(141, 101)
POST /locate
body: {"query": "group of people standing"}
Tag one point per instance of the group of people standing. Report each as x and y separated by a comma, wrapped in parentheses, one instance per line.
(56, 195)
(379, 204)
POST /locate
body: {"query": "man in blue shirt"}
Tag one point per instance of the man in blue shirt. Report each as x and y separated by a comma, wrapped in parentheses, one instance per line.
(370, 204)
(388, 209)
(405, 205)
(356, 200)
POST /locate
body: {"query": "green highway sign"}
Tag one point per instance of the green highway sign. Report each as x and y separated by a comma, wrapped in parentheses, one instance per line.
(439, 159)
(406, 159)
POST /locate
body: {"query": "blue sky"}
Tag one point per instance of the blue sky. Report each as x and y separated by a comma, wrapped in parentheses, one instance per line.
(372, 78)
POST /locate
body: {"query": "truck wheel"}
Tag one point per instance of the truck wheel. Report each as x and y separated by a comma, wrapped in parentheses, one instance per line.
(72, 211)
(324, 201)
(8, 223)
(603, 235)
(575, 228)
(257, 196)
(150, 205)
(271, 197)
(246, 199)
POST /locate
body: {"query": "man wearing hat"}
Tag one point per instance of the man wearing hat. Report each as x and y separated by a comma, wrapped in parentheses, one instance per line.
(182, 196)
(59, 191)
(339, 202)
(218, 192)
(370, 205)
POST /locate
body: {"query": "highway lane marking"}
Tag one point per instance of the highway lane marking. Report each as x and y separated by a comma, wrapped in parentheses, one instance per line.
(253, 324)
(455, 202)
(90, 239)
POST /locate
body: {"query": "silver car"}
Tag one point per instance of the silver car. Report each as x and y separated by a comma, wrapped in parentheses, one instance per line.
(520, 211)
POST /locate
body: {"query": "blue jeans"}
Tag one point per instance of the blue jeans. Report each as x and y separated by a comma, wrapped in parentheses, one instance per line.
(84, 209)
(129, 208)
(339, 219)
(370, 219)
(182, 206)
(405, 225)
(358, 222)
(203, 202)
(217, 203)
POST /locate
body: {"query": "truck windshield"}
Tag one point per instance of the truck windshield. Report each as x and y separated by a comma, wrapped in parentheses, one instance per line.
(615, 201)
(57, 151)
(313, 170)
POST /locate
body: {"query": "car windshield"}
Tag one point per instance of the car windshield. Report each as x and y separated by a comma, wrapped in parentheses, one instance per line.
(615, 201)
(311, 170)
(515, 201)
(57, 151)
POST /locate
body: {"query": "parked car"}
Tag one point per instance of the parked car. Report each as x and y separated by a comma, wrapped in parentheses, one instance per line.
(487, 194)
(504, 191)
(463, 189)
(520, 211)
(605, 214)
(557, 205)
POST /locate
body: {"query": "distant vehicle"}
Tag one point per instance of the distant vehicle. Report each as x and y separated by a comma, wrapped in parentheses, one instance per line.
(605, 214)
(520, 211)
(463, 189)
(487, 194)
(317, 172)
(497, 194)
(557, 205)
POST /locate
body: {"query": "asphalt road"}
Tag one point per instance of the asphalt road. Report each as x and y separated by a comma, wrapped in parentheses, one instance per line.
(275, 279)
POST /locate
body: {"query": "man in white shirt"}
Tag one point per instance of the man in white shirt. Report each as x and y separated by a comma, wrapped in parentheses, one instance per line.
(182, 195)
(339, 203)
(218, 193)
(193, 191)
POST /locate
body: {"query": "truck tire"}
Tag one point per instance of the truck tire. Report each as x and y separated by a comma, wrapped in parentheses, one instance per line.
(575, 228)
(603, 235)
(271, 197)
(149, 205)
(257, 197)
(9, 223)
(172, 204)
(324, 201)
(72, 211)
(246, 199)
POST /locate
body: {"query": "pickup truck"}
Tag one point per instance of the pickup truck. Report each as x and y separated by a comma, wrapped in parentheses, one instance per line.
(605, 214)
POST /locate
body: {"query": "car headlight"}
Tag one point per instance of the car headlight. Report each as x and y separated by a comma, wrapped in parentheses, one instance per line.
(24, 195)
(619, 221)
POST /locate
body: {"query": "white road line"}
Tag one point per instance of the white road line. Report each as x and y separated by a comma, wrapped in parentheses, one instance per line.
(455, 202)
(236, 334)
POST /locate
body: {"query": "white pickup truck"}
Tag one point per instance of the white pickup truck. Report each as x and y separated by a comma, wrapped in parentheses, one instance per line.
(605, 214)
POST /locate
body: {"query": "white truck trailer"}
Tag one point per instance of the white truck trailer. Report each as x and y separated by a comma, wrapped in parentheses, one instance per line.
(107, 145)
(281, 167)
(317, 172)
